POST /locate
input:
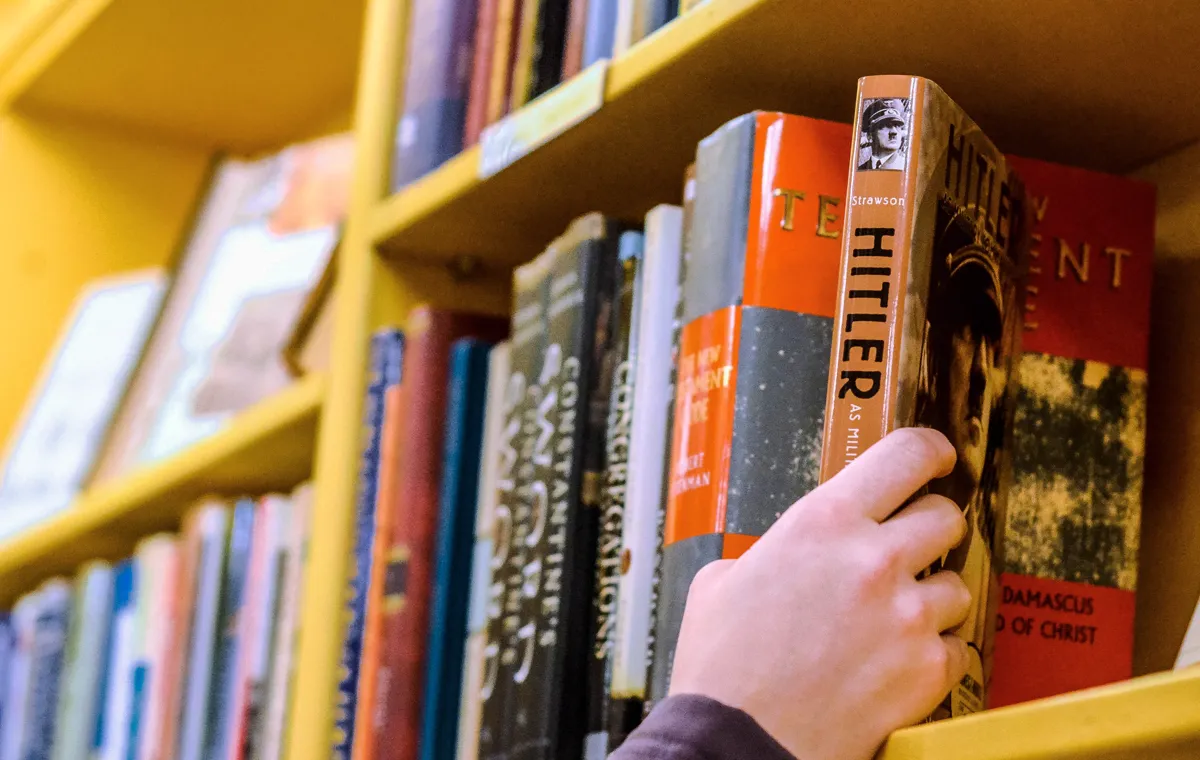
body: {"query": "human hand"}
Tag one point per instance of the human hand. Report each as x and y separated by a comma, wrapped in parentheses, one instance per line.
(821, 631)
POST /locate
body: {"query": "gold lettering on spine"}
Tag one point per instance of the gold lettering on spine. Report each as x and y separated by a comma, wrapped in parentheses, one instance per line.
(789, 206)
(1066, 255)
(1116, 254)
(825, 216)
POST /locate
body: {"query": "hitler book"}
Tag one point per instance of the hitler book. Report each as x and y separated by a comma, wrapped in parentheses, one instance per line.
(928, 326)
(1074, 509)
(758, 299)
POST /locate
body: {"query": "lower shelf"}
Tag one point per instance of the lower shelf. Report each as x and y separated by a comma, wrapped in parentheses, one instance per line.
(268, 447)
(1150, 718)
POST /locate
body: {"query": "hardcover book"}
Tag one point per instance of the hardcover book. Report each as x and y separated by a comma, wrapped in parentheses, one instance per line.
(115, 728)
(613, 715)
(495, 448)
(46, 667)
(577, 20)
(223, 702)
(358, 659)
(404, 596)
(928, 328)
(487, 37)
(555, 691)
(87, 643)
(758, 298)
(18, 688)
(437, 83)
(649, 448)
(158, 624)
(454, 546)
(1074, 507)
(601, 26)
(512, 512)
(504, 52)
(539, 52)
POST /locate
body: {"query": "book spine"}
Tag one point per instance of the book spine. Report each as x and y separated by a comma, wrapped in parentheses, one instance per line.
(654, 660)
(568, 455)
(230, 637)
(112, 740)
(577, 19)
(454, 546)
(46, 667)
(183, 599)
(486, 37)
(383, 344)
(161, 631)
(928, 320)
(494, 447)
(8, 657)
(655, 15)
(406, 588)
(211, 526)
(521, 88)
(648, 452)
(504, 52)
(86, 645)
(511, 525)
(276, 512)
(437, 86)
(547, 54)
(623, 28)
(17, 699)
(611, 717)
(601, 26)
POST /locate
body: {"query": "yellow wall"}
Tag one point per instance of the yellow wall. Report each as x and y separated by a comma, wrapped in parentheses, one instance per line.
(77, 203)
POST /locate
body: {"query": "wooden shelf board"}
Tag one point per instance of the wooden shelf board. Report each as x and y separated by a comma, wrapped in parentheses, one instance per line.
(1105, 90)
(1149, 717)
(268, 447)
(222, 73)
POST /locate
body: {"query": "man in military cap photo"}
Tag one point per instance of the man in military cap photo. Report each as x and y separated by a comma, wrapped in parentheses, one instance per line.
(886, 127)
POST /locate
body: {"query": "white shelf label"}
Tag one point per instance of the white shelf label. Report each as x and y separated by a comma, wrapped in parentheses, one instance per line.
(541, 120)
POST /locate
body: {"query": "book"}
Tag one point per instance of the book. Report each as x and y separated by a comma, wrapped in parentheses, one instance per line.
(601, 26)
(495, 448)
(7, 655)
(257, 625)
(612, 716)
(504, 52)
(359, 658)
(656, 658)
(54, 447)
(512, 511)
(437, 82)
(206, 536)
(260, 242)
(224, 703)
(47, 657)
(558, 629)
(114, 733)
(404, 595)
(935, 247)
(18, 689)
(649, 448)
(628, 25)
(539, 51)
(158, 559)
(1074, 506)
(487, 32)
(87, 642)
(273, 735)
(654, 15)
(577, 20)
(758, 297)
(454, 545)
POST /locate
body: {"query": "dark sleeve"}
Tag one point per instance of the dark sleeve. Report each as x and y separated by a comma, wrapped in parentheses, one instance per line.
(691, 727)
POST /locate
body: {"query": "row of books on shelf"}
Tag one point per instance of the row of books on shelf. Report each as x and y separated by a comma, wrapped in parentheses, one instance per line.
(182, 651)
(669, 388)
(152, 362)
(471, 62)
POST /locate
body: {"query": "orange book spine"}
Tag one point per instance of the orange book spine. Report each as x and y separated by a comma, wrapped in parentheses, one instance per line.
(508, 22)
(481, 71)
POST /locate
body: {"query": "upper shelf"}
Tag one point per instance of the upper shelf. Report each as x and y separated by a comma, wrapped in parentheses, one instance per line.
(222, 73)
(1109, 89)
(1151, 717)
(269, 447)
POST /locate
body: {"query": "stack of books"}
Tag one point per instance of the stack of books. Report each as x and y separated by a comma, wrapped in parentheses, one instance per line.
(184, 650)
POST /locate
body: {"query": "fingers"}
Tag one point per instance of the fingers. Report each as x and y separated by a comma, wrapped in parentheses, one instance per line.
(958, 660)
(947, 599)
(884, 476)
(924, 531)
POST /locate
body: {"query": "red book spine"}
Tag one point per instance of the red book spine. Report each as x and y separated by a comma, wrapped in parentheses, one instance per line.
(404, 623)
(481, 71)
(576, 31)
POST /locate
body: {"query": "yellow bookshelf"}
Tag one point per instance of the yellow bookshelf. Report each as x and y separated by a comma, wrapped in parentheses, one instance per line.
(127, 101)
(269, 447)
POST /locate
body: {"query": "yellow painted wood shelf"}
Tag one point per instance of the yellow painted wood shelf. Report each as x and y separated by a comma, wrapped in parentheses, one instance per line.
(232, 74)
(1149, 718)
(268, 447)
(1063, 81)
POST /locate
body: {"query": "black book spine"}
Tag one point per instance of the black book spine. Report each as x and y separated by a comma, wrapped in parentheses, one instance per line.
(569, 458)
(611, 719)
(512, 523)
(548, 46)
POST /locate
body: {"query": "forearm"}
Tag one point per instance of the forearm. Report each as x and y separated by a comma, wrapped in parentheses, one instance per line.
(691, 727)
